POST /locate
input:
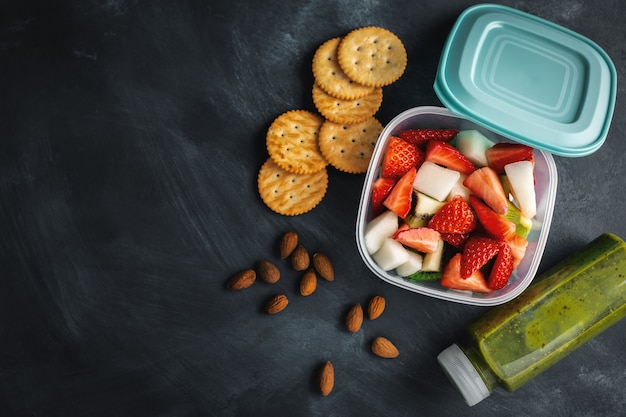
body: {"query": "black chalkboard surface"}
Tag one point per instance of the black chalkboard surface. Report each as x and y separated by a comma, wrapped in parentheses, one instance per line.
(131, 134)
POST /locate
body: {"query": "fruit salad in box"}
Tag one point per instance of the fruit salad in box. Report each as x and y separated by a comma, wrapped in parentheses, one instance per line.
(454, 211)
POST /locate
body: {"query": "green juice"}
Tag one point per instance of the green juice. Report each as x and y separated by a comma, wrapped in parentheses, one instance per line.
(567, 306)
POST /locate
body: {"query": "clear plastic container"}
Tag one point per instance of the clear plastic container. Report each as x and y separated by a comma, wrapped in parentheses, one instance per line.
(546, 185)
(571, 303)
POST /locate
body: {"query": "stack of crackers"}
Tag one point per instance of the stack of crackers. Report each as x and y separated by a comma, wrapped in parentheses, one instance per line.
(349, 74)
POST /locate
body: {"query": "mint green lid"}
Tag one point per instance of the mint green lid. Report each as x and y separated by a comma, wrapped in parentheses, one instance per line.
(528, 79)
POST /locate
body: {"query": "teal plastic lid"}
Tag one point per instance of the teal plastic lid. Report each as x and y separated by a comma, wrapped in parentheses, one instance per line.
(528, 79)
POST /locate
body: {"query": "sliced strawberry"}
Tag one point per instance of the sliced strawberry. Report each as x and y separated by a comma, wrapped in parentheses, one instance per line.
(451, 278)
(502, 268)
(400, 157)
(420, 137)
(380, 190)
(455, 239)
(401, 195)
(447, 155)
(423, 239)
(478, 250)
(456, 216)
(497, 226)
(518, 247)
(504, 153)
(485, 183)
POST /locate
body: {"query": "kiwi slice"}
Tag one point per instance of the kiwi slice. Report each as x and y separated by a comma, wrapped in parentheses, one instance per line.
(425, 208)
(522, 223)
(425, 276)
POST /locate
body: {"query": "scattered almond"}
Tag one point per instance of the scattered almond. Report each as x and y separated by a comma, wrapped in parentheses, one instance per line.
(376, 307)
(323, 266)
(384, 348)
(326, 378)
(354, 319)
(276, 304)
(267, 271)
(308, 282)
(241, 280)
(288, 243)
(300, 259)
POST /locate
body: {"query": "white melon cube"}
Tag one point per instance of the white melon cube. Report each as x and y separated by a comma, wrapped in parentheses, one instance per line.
(432, 261)
(390, 255)
(522, 181)
(473, 145)
(459, 189)
(378, 229)
(435, 180)
(411, 266)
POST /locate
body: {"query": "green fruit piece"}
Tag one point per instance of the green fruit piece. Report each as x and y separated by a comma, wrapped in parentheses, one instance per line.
(417, 220)
(425, 208)
(425, 276)
(522, 224)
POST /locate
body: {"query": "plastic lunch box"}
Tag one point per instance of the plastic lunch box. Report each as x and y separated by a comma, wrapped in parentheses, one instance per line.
(514, 77)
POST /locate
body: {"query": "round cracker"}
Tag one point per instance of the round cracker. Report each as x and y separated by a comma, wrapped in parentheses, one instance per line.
(331, 78)
(288, 193)
(372, 56)
(349, 148)
(347, 111)
(292, 142)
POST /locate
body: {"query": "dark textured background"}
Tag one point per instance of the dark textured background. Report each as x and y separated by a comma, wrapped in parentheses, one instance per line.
(131, 133)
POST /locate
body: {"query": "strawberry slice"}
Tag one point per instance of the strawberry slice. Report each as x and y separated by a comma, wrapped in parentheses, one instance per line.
(400, 157)
(502, 268)
(456, 216)
(420, 137)
(485, 183)
(401, 195)
(518, 246)
(423, 239)
(451, 278)
(478, 250)
(497, 226)
(504, 153)
(455, 239)
(380, 190)
(447, 155)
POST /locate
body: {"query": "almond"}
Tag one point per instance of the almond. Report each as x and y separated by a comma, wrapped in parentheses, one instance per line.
(384, 348)
(241, 280)
(326, 378)
(267, 271)
(323, 266)
(376, 307)
(276, 304)
(300, 259)
(288, 243)
(354, 319)
(308, 283)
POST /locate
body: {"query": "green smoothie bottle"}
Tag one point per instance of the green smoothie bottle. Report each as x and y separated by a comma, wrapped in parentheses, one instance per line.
(565, 307)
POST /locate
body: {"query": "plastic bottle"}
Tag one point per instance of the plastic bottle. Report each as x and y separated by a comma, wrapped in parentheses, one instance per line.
(568, 305)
